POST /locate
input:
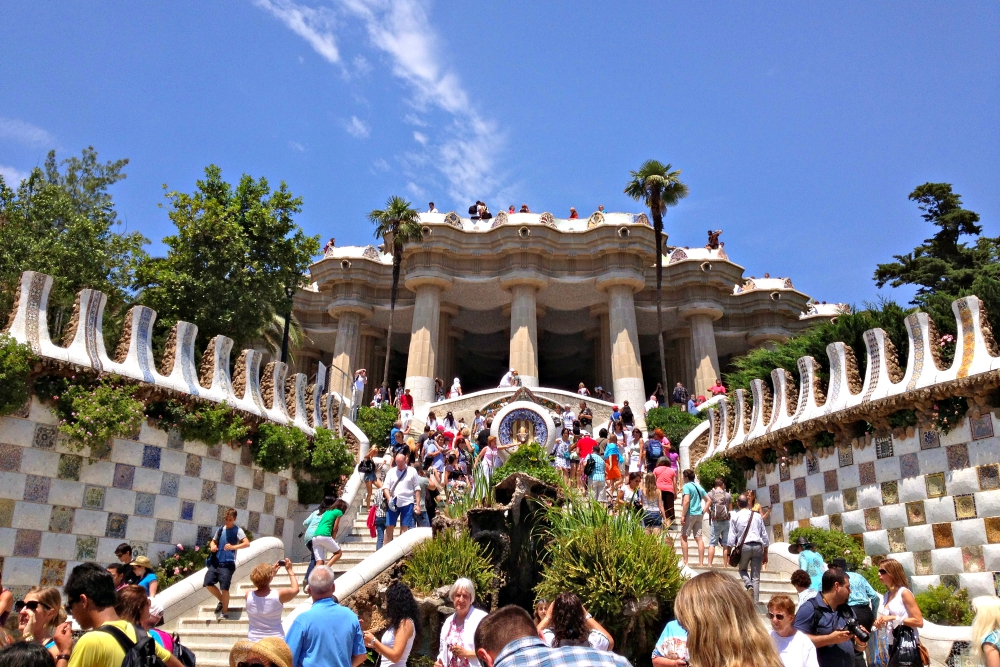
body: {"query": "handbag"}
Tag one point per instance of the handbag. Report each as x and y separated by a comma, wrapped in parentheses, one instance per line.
(906, 647)
(366, 466)
(737, 553)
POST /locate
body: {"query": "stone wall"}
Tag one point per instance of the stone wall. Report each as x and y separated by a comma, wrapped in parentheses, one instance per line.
(59, 508)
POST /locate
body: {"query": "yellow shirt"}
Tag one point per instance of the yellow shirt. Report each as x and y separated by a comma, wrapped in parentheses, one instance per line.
(100, 649)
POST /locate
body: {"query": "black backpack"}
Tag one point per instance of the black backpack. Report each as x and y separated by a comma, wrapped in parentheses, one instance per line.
(139, 653)
(589, 466)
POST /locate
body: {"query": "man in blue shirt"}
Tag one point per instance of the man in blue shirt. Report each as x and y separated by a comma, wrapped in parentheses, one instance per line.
(226, 541)
(328, 635)
(824, 620)
(863, 601)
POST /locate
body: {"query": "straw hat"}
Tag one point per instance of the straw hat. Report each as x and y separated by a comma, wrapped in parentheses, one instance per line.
(142, 561)
(271, 649)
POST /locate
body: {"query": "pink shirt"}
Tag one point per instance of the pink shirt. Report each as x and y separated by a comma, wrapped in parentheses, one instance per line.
(666, 478)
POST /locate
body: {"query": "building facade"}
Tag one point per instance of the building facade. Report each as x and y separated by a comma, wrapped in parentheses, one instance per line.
(562, 301)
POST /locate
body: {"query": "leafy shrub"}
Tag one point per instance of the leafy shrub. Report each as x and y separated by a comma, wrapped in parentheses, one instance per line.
(831, 544)
(903, 418)
(376, 423)
(871, 574)
(945, 606)
(627, 578)
(276, 447)
(15, 367)
(94, 415)
(531, 459)
(674, 423)
(442, 560)
(210, 423)
(185, 562)
(948, 412)
(331, 461)
(720, 466)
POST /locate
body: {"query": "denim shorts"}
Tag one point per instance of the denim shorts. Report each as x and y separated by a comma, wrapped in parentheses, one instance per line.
(720, 534)
(404, 514)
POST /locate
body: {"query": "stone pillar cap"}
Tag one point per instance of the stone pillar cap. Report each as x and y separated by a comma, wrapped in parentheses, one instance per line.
(710, 308)
(621, 277)
(412, 282)
(341, 306)
(523, 278)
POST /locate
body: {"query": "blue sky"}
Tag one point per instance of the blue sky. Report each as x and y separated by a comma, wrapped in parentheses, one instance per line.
(800, 127)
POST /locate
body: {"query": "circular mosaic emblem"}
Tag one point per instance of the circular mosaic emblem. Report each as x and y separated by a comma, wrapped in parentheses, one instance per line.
(526, 420)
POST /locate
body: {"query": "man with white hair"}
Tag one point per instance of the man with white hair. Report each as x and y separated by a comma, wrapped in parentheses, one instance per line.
(327, 635)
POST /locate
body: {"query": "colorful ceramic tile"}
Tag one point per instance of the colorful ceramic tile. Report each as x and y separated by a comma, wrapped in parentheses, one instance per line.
(204, 536)
(36, 489)
(93, 497)
(982, 427)
(965, 506)
(915, 513)
(269, 503)
(909, 465)
(972, 559)
(761, 478)
(215, 451)
(258, 480)
(283, 489)
(169, 484)
(144, 504)
(850, 497)
(890, 493)
(922, 563)
(989, 477)
(253, 523)
(784, 472)
(897, 540)
(220, 514)
(174, 439)
(816, 502)
(228, 473)
(10, 458)
(86, 548)
(788, 510)
(812, 464)
(27, 543)
(22, 412)
(69, 467)
(836, 523)
(866, 472)
(187, 511)
(123, 476)
(943, 538)
(151, 457)
(208, 491)
(830, 481)
(6, 512)
(164, 531)
(242, 498)
(873, 518)
(138, 548)
(279, 529)
(117, 525)
(883, 446)
(61, 519)
(929, 439)
(775, 494)
(192, 467)
(246, 456)
(935, 485)
(53, 572)
(958, 456)
(101, 452)
(45, 436)
(992, 529)
(845, 454)
(951, 581)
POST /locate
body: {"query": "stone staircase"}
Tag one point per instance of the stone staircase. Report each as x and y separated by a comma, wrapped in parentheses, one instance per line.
(211, 640)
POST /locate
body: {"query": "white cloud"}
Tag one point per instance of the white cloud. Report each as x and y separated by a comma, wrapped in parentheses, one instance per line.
(361, 65)
(381, 165)
(25, 133)
(312, 24)
(415, 189)
(12, 176)
(297, 147)
(420, 138)
(357, 128)
(414, 119)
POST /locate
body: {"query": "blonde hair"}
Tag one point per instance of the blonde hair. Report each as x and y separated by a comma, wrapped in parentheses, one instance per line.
(649, 485)
(51, 598)
(987, 620)
(722, 624)
(262, 574)
(895, 570)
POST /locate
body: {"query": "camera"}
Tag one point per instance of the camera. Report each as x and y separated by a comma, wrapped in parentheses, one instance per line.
(856, 629)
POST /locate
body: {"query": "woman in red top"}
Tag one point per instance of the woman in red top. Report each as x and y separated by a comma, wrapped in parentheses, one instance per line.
(666, 482)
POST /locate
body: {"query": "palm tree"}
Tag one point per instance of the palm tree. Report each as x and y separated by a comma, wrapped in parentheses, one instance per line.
(398, 224)
(659, 188)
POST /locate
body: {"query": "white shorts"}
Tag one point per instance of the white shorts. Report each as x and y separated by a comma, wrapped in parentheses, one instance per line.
(406, 416)
(322, 544)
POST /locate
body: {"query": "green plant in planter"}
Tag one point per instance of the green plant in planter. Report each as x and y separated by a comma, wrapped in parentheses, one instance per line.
(210, 423)
(276, 447)
(331, 460)
(92, 416)
(769, 456)
(949, 412)
(447, 557)
(15, 367)
(831, 544)
(945, 606)
(531, 459)
(674, 423)
(185, 562)
(719, 466)
(825, 439)
(376, 423)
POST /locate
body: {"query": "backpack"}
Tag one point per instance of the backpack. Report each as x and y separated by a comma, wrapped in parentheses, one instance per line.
(654, 448)
(589, 466)
(139, 653)
(718, 510)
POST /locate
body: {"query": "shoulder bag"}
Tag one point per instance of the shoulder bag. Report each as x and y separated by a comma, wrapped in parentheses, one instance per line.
(737, 553)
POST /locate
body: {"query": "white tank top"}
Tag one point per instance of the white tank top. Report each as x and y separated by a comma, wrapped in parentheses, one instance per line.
(264, 615)
(389, 639)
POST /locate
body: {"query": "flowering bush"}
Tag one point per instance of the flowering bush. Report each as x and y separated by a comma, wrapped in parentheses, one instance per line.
(206, 422)
(185, 562)
(276, 447)
(15, 367)
(92, 416)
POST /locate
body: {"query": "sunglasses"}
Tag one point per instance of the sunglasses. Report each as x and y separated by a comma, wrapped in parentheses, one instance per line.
(779, 617)
(32, 605)
(883, 572)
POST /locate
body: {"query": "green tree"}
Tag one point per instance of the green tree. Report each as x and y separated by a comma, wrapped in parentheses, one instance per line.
(62, 222)
(659, 188)
(236, 252)
(943, 267)
(398, 223)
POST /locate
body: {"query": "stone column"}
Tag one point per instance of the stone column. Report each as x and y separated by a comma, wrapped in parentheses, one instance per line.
(346, 351)
(524, 327)
(626, 368)
(446, 346)
(703, 351)
(422, 361)
(602, 357)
